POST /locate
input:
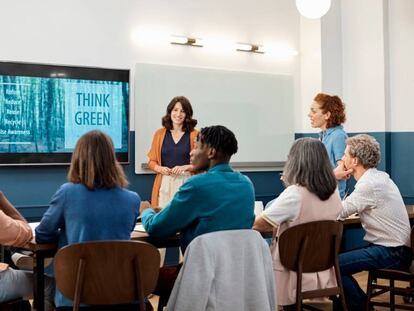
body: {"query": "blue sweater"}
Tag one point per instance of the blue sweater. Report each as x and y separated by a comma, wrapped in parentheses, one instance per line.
(77, 214)
(219, 199)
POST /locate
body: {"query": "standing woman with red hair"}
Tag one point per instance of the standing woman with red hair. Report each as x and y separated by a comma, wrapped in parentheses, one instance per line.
(328, 114)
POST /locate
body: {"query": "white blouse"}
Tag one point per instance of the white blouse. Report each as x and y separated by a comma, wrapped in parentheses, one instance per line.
(286, 207)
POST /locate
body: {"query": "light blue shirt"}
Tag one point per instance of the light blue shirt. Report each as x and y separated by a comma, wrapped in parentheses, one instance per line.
(334, 140)
(220, 199)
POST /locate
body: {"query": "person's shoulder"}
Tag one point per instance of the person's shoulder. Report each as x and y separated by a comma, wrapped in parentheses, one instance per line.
(295, 188)
(193, 134)
(377, 177)
(70, 190)
(160, 131)
(372, 179)
(130, 194)
(339, 132)
(196, 179)
(244, 178)
(295, 191)
(70, 186)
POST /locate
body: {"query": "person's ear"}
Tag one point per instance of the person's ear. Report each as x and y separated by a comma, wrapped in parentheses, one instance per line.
(327, 115)
(211, 154)
(355, 161)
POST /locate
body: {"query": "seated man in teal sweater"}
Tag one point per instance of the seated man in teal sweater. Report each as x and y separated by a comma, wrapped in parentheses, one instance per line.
(219, 199)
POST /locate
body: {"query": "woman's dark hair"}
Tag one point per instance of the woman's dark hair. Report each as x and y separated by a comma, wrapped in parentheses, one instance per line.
(219, 138)
(94, 164)
(335, 106)
(189, 122)
(308, 165)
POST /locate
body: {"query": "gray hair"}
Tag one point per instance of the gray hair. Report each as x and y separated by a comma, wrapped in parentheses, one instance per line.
(308, 165)
(366, 149)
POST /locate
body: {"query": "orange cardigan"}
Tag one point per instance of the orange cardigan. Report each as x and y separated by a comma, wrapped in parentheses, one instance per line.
(154, 159)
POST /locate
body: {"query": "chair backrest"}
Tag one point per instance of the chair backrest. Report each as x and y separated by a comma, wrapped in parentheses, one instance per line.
(230, 270)
(314, 244)
(107, 272)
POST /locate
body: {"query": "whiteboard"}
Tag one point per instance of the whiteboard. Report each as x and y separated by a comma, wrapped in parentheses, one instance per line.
(257, 107)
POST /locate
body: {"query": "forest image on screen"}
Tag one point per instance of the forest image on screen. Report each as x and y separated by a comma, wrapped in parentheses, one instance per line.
(48, 115)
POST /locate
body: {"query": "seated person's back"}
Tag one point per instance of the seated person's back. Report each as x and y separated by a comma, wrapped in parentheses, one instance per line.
(94, 205)
(311, 195)
(85, 215)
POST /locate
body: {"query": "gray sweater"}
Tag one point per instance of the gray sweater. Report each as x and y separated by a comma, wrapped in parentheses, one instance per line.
(225, 270)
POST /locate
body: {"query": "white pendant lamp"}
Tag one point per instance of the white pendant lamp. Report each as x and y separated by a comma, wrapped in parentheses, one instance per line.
(313, 8)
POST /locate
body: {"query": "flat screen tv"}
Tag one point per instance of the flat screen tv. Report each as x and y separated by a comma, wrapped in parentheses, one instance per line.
(44, 109)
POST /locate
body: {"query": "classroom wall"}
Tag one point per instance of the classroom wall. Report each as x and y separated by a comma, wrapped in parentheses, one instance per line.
(107, 33)
(363, 53)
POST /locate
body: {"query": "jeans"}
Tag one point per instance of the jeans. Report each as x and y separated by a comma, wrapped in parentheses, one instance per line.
(369, 258)
(19, 283)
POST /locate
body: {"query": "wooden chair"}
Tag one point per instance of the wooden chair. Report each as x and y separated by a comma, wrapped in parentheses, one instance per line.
(107, 272)
(374, 289)
(312, 247)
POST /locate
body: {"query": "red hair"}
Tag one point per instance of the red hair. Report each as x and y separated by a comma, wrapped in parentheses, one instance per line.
(334, 105)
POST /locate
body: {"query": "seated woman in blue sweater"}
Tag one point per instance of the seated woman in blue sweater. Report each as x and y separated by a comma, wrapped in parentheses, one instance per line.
(94, 204)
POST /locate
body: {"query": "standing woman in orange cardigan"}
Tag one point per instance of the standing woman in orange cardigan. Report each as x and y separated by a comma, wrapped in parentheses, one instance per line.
(169, 155)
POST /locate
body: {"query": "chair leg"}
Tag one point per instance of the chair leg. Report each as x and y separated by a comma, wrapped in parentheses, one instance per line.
(369, 291)
(392, 295)
(162, 302)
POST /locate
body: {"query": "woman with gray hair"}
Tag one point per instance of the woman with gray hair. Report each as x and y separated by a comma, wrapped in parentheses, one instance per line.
(311, 194)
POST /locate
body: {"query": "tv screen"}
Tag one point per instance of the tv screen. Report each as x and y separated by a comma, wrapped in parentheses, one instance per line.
(44, 109)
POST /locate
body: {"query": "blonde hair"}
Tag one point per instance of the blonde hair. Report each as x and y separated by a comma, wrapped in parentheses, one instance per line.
(366, 149)
(94, 163)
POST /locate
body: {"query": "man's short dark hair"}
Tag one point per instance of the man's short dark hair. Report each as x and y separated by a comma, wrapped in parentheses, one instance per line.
(220, 138)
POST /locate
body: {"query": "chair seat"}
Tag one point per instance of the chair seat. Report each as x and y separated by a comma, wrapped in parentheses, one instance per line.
(397, 275)
(374, 289)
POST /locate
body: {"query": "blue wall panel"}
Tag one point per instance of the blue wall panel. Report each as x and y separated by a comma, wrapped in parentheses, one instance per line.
(30, 188)
(402, 165)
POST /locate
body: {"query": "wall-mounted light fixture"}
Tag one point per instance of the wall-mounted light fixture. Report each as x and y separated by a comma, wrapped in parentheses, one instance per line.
(186, 41)
(246, 47)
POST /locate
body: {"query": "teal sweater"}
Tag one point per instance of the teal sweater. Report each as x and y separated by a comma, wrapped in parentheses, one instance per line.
(219, 199)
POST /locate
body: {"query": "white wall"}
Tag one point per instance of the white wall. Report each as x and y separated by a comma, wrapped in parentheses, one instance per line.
(100, 33)
(364, 64)
(310, 70)
(401, 53)
(331, 45)
(373, 62)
